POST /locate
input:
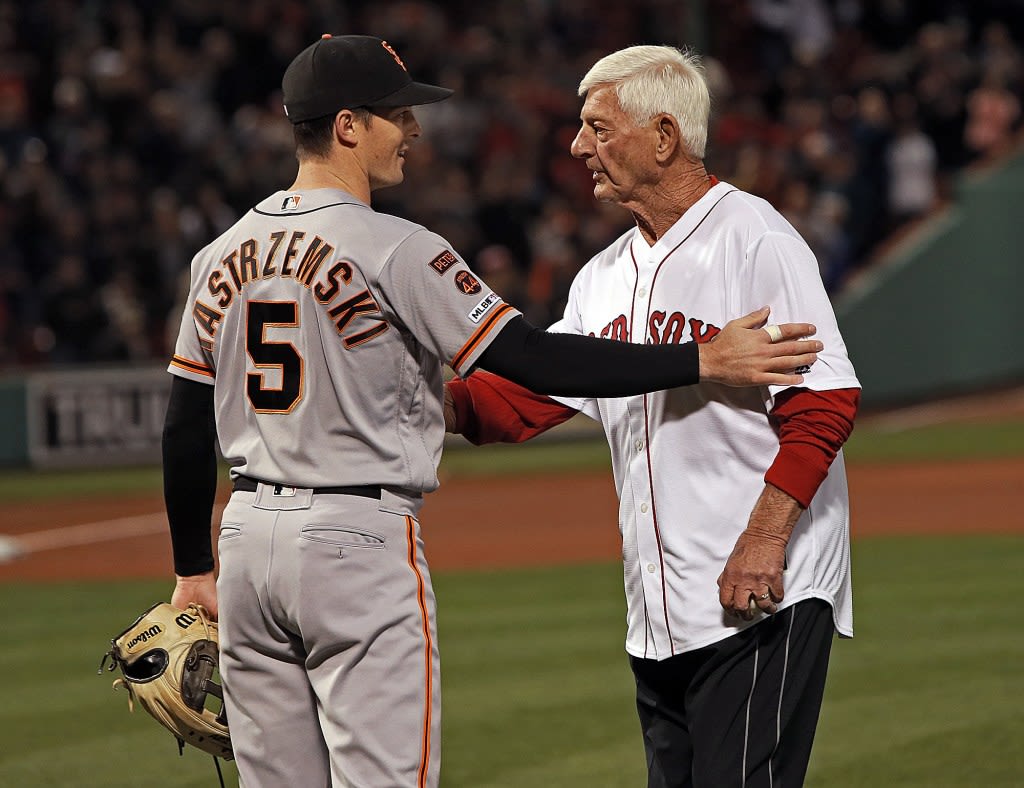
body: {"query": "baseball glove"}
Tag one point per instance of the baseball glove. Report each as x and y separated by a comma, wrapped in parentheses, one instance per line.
(168, 659)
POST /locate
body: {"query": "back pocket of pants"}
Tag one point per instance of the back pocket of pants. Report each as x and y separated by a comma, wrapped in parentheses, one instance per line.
(342, 536)
(230, 530)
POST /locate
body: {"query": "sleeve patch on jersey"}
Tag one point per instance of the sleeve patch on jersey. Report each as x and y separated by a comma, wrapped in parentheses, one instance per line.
(467, 283)
(483, 307)
(443, 262)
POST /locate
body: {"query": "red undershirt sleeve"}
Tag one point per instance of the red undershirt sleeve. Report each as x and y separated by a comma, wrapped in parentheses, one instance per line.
(491, 409)
(812, 427)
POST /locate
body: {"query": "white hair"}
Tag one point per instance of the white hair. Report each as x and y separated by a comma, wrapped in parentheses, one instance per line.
(650, 80)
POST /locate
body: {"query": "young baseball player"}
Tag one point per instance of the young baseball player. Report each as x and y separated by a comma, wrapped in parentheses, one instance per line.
(311, 347)
(733, 502)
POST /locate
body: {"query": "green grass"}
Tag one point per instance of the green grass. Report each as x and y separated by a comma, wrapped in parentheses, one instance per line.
(22, 485)
(951, 441)
(928, 693)
(464, 459)
(867, 444)
(537, 689)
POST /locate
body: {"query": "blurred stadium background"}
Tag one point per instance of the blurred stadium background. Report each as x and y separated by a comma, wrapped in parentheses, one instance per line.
(132, 133)
(889, 132)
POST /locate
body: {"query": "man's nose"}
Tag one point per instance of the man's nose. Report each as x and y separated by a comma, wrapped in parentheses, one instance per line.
(580, 147)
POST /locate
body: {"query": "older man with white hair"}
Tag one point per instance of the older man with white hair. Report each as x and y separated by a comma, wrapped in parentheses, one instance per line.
(733, 502)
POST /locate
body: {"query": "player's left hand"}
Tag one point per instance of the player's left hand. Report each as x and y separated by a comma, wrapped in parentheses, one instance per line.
(752, 578)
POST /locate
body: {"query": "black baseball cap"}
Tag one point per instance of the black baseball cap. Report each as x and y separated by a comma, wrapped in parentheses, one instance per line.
(345, 72)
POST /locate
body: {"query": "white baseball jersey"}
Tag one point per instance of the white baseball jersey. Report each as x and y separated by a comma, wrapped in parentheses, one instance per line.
(315, 291)
(689, 463)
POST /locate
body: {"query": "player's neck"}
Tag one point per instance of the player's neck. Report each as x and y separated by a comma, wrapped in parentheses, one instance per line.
(331, 174)
(667, 202)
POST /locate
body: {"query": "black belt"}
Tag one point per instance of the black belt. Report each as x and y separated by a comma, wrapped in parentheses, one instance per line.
(248, 484)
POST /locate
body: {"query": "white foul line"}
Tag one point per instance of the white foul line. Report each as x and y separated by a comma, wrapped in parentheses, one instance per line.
(84, 534)
(91, 533)
(9, 549)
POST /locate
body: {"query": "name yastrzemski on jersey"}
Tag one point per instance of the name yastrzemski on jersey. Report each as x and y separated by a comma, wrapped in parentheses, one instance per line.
(663, 328)
(291, 257)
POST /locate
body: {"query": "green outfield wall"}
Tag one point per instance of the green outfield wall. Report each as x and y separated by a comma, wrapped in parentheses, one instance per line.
(13, 430)
(941, 314)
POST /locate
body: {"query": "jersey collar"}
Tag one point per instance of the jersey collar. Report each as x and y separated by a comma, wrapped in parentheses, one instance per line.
(300, 201)
(684, 225)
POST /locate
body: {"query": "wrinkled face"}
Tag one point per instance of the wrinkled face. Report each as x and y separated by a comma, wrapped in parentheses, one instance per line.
(392, 130)
(620, 153)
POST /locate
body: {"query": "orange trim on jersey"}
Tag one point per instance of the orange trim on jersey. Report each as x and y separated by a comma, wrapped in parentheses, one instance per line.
(192, 366)
(479, 335)
(421, 598)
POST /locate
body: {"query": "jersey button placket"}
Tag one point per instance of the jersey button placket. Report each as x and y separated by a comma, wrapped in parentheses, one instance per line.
(648, 554)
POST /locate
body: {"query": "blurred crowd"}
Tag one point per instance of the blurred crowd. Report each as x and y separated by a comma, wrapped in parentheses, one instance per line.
(132, 133)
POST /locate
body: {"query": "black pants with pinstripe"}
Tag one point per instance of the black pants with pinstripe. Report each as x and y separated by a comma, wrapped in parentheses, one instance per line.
(741, 712)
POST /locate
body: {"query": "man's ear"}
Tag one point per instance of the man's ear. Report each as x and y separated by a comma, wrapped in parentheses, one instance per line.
(670, 140)
(347, 128)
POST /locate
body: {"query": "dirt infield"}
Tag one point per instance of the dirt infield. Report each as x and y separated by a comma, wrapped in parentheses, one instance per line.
(523, 521)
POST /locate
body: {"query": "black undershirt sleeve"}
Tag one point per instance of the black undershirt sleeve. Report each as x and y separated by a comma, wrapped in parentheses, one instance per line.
(190, 474)
(572, 365)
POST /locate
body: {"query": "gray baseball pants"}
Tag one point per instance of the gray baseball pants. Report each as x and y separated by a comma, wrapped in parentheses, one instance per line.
(328, 642)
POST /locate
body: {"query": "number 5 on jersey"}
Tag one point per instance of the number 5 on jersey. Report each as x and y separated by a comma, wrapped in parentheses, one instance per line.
(266, 354)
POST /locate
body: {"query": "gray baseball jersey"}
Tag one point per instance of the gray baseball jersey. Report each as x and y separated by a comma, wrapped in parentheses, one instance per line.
(315, 291)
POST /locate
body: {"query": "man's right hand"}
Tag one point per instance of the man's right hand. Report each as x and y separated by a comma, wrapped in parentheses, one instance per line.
(742, 354)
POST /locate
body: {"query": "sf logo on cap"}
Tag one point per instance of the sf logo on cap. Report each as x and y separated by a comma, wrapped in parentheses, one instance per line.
(394, 54)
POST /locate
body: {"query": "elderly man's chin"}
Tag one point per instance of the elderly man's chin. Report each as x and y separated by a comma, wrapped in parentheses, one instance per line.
(603, 192)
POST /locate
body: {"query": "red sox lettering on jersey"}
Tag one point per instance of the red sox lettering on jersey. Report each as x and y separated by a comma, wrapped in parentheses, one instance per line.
(689, 462)
(663, 328)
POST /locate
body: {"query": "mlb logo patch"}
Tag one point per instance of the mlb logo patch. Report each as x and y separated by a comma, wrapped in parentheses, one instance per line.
(481, 309)
(291, 202)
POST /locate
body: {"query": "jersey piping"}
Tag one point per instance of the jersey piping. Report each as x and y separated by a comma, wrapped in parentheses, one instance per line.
(478, 336)
(647, 429)
(657, 527)
(192, 366)
(428, 647)
(657, 534)
(688, 235)
(303, 213)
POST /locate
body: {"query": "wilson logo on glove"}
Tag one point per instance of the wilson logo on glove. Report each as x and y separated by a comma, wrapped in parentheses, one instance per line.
(175, 676)
(142, 637)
